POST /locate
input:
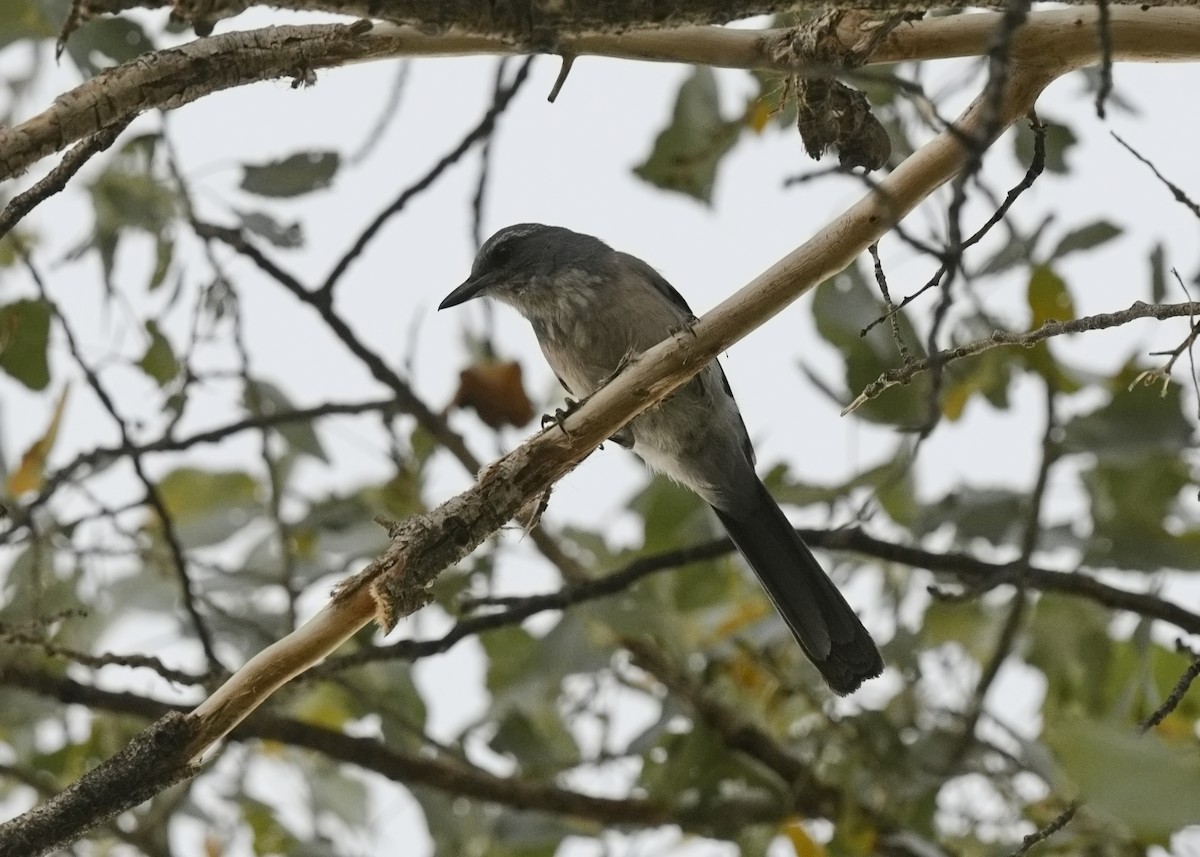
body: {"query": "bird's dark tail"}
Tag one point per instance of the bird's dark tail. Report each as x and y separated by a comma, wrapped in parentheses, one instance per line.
(823, 623)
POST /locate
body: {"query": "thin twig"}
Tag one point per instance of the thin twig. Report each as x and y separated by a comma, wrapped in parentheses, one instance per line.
(1100, 321)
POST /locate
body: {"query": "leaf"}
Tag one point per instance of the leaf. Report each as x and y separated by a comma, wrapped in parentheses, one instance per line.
(265, 399)
(1158, 274)
(988, 374)
(801, 841)
(28, 475)
(1059, 139)
(1132, 503)
(1142, 421)
(1049, 298)
(994, 514)
(265, 226)
(117, 39)
(687, 152)
(1069, 643)
(124, 198)
(24, 334)
(494, 390)
(972, 624)
(159, 360)
(1085, 238)
(31, 19)
(1138, 781)
(164, 253)
(843, 306)
(208, 506)
(297, 174)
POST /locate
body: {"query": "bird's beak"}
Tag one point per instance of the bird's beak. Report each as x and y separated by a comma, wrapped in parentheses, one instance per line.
(472, 288)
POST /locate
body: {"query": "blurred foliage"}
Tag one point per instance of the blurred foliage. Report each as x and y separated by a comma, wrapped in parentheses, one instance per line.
(89, 564)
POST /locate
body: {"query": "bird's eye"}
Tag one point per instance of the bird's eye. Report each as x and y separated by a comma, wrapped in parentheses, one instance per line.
(501, 253)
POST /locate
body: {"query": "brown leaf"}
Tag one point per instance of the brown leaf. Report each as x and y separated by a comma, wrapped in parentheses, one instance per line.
(28, 476)
(495, 391)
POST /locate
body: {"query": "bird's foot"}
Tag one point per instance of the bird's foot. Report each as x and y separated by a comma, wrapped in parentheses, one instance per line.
(688, 326)
(560, 414)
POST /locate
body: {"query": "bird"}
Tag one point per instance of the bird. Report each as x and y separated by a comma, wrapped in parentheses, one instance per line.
(591, 309)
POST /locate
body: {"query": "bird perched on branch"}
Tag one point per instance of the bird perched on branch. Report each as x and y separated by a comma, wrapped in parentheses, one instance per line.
(591, 308)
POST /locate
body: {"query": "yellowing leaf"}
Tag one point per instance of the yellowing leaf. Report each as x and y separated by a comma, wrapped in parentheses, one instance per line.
(747, 612)
(758, 114)
(28, 476)
(803, 844)
(955, 399)
(1049, 298)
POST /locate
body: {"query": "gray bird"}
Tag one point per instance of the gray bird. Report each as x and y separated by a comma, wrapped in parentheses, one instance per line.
(592, 308)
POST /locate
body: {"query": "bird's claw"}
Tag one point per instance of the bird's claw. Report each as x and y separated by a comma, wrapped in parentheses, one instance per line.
(559, 415)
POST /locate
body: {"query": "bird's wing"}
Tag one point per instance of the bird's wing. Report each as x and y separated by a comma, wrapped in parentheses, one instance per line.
(659, 282)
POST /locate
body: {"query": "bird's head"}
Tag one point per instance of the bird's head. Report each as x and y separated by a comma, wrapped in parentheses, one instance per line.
(530, 265)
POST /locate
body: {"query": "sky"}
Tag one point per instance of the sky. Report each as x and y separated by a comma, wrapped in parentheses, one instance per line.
(569, 163)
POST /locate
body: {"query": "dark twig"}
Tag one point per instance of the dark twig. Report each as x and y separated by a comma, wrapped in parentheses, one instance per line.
(1019, 603)
(153, 496)
(1173, 699)
(1036, 165)
(1176, 191)
(485, 162)
(979, 574)
(881, 281)
(406, 399)
(57, 178)
(480, 132)
(1104, 25)
(1157, 716)
(1046, 831)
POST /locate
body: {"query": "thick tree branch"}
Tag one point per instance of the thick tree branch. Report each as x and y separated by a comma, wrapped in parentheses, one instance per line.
(171, 78)
(31, 834)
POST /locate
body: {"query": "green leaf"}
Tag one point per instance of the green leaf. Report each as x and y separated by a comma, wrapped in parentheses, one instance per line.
(1143, 421)
(537, 740)
(268, 834)
(698, 763)
(123, 198)
(686, 154)
(159, 360)
(843, 306)
(1132, 504)
(891, 483)
(24, 333)
(265, 399)
(209, 506)
(164, 252)
(31, 19)
(1069, 643)
(289, 236)
(672, 516)
(1059, 139)
(1085, 238)
(996, 515)
(115, 39)
(974, 625)
(1149, 787)
(1158, 274)
(297, 174)
(1049, 298)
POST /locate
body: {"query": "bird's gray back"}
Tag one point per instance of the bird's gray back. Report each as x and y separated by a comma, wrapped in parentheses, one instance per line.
(588, 326)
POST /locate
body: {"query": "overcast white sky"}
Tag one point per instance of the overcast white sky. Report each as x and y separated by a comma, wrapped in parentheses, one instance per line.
(569, 163)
